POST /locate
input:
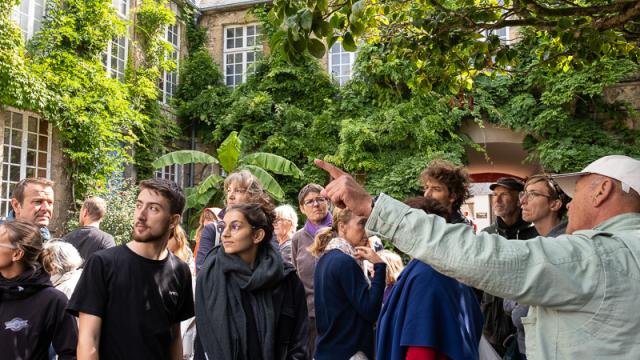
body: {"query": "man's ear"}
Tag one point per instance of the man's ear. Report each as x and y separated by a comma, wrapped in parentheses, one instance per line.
(16, 205)
(556, 204)
(258, 236)
(603, 191)
(17, 255)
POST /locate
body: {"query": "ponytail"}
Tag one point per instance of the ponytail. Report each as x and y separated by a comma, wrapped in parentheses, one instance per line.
(320, 242)
(324, 235)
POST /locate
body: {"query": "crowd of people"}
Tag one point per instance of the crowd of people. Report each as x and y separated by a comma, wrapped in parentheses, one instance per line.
(555, 277)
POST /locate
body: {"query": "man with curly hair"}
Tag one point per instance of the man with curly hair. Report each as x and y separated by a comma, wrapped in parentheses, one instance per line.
(448, 184)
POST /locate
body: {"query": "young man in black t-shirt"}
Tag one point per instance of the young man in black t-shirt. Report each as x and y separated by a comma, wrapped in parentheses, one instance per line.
(131, 298)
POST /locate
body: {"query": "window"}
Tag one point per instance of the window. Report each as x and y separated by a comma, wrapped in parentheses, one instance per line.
(174, 173)
(114, 58)
(29, 16)
(341, 63)
(502, 33)
(168, 83)
(242, 46)
(122, 7)
(26, 151)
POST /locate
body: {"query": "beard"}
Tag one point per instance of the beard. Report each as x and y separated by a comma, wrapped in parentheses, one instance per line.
(154, 235)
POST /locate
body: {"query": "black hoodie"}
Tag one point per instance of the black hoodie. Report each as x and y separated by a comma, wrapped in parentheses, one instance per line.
(33, 317)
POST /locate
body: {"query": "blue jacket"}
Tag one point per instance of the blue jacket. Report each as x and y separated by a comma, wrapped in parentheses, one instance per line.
(346, 307)
(428, 309)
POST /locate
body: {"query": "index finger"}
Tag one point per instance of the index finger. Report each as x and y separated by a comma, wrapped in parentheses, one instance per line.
(333, 171)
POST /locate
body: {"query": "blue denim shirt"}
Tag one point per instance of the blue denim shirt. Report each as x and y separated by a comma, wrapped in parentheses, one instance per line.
(583, 288)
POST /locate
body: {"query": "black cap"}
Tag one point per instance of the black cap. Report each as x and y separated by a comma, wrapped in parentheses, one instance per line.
(508, 182)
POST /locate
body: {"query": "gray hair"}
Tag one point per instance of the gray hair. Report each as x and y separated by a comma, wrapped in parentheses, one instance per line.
(286, 211)
(59, 257)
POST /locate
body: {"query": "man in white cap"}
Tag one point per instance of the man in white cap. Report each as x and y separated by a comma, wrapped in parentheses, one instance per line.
(583, 287)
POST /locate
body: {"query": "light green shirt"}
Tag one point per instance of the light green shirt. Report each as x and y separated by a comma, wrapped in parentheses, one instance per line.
(583, 288)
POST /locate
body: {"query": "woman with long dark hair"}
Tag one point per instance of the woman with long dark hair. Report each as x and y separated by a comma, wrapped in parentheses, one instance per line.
(249, 303)
(32, 311)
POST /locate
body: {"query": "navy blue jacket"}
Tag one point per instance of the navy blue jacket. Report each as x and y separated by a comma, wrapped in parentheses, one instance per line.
(346, 307)
(428, 309)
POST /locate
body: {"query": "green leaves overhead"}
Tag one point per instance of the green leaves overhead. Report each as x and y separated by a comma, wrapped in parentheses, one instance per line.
(452, 42)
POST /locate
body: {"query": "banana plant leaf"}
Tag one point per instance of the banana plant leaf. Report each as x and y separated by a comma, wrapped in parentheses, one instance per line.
(184, 157)
(273, 163)
(229, 152)
(269, 184)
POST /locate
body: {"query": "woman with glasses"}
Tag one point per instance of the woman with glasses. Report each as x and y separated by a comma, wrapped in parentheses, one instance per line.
(544, 204)
(316, 208)
(249, 303)
(347, 305)
(284, 227)
(32, 311)
(239, 188)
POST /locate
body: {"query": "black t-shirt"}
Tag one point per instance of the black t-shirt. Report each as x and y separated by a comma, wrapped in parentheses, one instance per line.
(138, 299)
(88, 240)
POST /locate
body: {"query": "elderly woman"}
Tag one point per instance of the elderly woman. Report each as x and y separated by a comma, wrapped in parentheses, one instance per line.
(284, 227)
(240, 187)
(62, 261)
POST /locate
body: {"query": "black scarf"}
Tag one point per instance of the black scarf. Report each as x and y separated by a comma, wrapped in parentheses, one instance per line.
(24, 285)
(220, 318)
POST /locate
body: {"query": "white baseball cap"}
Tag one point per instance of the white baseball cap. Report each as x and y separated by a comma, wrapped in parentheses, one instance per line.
(619, 167)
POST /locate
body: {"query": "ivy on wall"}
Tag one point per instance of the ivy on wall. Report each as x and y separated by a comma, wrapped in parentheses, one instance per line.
(59, 75)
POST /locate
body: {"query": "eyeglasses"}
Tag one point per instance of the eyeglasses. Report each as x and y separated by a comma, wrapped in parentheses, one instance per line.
(529, 195)
(8, 246)
(280, 221)
(319, 200)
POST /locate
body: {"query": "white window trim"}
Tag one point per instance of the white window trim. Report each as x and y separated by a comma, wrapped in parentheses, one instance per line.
(29, 31)
(352, 59)
(164, 95)
(111, 72)
(24, 144)
(257, 48)
(177, 177)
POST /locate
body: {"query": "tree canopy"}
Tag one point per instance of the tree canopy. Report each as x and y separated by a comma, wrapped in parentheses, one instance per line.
(453, 41)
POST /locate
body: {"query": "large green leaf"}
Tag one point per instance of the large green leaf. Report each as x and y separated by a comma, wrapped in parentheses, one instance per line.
(229, 151)
(184, 157)
(269, 184)
(197, 200)
(208, 183)
(273, 163)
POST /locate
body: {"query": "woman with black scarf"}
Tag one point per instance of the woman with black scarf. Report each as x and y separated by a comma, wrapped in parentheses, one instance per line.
(32, 311)
(249, 303)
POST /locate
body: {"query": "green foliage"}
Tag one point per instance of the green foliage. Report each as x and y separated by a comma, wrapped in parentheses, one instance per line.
(20, 87)
(120, 197)
(447, 41)
(92, 113)
(209, 191)
(567, 120)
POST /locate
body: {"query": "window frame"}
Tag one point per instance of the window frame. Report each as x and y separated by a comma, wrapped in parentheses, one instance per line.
(31, 19)
(243, 50)
(8, 185)
(342, 79)
(167, 91)
(176, 176)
